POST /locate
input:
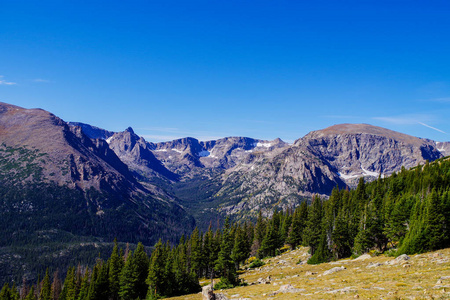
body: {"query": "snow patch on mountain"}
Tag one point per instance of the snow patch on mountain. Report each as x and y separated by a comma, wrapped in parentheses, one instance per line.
(369, 173)
(349, 176)
(266, 145)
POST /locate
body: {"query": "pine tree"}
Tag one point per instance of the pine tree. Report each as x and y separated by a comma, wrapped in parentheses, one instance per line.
(84, 286)
(434, 222)
(295, 236)
(260, 232)
(342, 243)
(115, 264)
(31, 294)
(128, 279)
(313, 229)
(196, 256)
(141, 261)
(69, 291)
(240, 249)
(270, 242)
(46, 289)
(156, 277)
(224, 263)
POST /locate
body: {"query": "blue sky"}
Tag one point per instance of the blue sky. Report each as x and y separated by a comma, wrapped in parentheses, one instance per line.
(210, 69)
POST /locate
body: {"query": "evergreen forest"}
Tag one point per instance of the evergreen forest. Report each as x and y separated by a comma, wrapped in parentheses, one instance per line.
(408, 212)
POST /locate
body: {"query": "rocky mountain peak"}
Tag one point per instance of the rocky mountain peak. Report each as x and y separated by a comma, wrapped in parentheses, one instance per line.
(355, 150)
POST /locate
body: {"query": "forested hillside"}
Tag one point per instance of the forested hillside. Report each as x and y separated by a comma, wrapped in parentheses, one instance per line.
(408, 212)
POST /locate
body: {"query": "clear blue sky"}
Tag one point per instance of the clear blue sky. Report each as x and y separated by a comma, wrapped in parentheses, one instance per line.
(211, 69)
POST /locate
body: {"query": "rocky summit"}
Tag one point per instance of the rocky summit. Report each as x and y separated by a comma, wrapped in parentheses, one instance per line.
(239, 176)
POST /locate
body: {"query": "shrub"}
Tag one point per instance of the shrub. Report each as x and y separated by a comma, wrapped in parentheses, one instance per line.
(256, 263)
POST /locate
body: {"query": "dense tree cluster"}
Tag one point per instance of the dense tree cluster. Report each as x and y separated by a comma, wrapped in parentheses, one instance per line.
(409, 211)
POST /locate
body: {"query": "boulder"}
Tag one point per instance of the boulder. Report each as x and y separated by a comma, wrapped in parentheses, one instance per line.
(334, 270)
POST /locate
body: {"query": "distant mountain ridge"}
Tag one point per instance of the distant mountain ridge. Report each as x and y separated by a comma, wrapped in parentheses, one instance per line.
(247, 174)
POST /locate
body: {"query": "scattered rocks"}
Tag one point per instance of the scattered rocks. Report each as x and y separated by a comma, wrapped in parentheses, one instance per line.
(374, 265)
(334, 270)
(345, 290)
(400, 259)
(309, 273)
(208, 294)
(363, 257)
(265, 280)
(288, 288)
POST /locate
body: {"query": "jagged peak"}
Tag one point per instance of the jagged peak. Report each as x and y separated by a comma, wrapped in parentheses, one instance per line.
(130, 130)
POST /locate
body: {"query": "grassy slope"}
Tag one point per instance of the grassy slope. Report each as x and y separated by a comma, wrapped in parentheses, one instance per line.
(417, 278)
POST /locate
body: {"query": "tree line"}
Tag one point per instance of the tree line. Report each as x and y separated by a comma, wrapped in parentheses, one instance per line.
(408, 212)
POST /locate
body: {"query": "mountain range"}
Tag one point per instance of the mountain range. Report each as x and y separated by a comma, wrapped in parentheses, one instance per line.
(120, 185)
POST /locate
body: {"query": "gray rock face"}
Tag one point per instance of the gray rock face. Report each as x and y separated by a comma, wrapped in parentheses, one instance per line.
(355, 150)
(92, 131)
(251, 174)
(136, 153)
(443, 147)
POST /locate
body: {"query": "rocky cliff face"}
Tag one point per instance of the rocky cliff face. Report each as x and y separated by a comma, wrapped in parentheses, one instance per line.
(443, 147)
(136, 153)
(355, 150)
(247, 174)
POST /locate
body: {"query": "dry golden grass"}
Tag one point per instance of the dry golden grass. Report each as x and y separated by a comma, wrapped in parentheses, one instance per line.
(418, 278)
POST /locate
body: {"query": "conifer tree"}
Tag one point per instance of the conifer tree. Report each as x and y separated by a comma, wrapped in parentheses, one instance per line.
(224, 263)
(240, 249)
(128, 279)
(260, 231)
(69, 291)
(196, 258)
(313, 229)
(46, 289)
(270, 242)
(141, 261)
(434, 222)
(342, 242)
(115, 264)
(31, 294)
(84, 286)
(156, 277)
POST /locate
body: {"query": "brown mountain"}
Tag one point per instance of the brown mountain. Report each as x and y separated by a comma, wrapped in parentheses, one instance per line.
(83, 187)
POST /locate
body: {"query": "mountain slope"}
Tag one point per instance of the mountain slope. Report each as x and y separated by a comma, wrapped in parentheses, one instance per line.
(54, 176)
(356, 150)
(239, 175)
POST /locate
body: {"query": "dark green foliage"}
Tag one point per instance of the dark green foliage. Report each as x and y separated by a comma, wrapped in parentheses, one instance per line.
(256, 263)
(46, 287)
(313, 229)
(295, 235)
(241, 248)
(115, 265)
(224, 264)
